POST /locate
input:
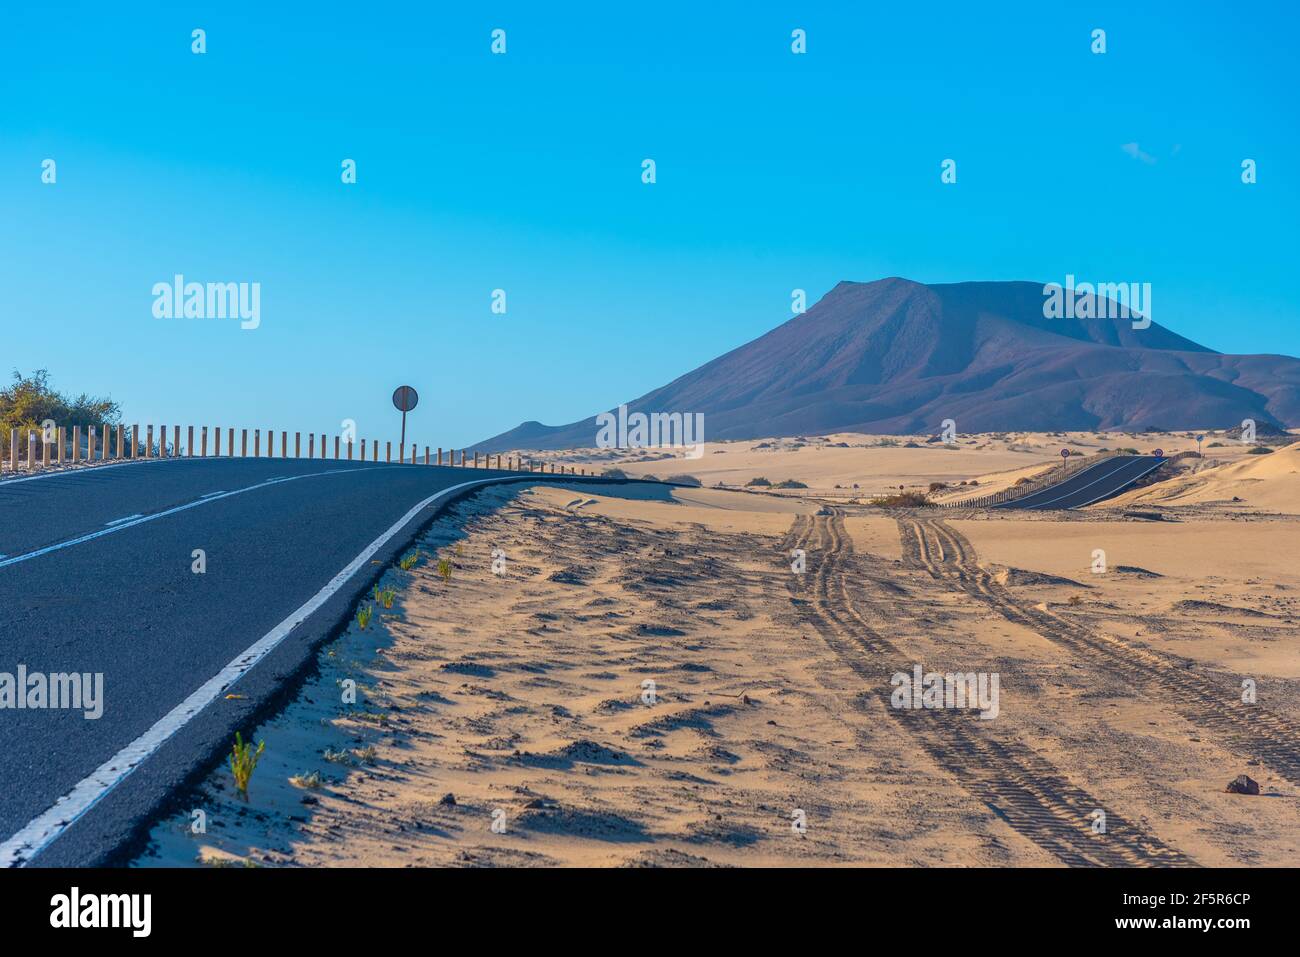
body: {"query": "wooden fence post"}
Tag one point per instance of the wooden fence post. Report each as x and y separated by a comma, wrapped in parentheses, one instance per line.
(363, 450)
(388, 452)
(426, 455)
(90, 443)
(243, 443)
(230, 441)
(189, 441)
(349, 450)
(337, 439)
(31, 450)
(440, 455)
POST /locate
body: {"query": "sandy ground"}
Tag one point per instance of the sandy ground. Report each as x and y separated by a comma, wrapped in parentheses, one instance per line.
(1264, 482)
(648, 683)
(853, 465)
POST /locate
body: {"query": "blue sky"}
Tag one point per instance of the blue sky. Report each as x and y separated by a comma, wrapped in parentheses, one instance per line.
(523, 172)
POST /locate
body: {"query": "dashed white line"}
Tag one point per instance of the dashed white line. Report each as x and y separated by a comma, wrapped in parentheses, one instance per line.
(131, 522)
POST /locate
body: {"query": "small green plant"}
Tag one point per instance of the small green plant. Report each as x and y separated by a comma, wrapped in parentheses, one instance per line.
(444, 569)
(408, 561)
(790, 483)
(757, 481)
(310, 781)
(243, 759)
(385, 597)
(363, 616)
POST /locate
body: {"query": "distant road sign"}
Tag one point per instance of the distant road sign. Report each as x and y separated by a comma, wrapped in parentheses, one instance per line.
(405, 398)
(1065, 453)
(1159, 453)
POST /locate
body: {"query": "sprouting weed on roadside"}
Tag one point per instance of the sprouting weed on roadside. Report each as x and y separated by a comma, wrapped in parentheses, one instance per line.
(243, 760)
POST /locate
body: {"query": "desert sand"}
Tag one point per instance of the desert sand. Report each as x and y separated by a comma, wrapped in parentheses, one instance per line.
(853, 465)
(518, 698)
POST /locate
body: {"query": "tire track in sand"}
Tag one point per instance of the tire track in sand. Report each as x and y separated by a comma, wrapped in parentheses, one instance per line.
(1211, 704)
(1022, 788)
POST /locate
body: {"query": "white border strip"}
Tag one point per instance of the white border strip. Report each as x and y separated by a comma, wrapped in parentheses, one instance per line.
(23, 846)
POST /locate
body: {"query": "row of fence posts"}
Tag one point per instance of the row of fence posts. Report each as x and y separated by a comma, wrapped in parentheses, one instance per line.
(43, 452)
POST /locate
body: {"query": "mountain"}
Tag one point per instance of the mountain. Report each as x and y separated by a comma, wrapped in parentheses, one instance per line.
(896, 356)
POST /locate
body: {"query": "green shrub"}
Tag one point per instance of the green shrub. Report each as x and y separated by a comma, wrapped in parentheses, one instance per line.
(30, 400)
(901, 500)
(243, 760)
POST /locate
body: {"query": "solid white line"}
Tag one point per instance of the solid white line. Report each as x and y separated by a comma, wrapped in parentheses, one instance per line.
(23, 846)
(1123, 465)
(210, 494)
(119, 521)
(87, 470)
(1043, 491)
(1154, 466)
(133, 521)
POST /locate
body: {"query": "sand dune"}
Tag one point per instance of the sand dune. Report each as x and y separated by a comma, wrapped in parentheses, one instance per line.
(1266, 482)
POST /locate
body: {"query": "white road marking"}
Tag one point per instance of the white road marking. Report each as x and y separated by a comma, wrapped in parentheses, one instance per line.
(119, 521)
(125, 523)
(210, 494)
(23, 846)
(89, 470)
(1122, 466)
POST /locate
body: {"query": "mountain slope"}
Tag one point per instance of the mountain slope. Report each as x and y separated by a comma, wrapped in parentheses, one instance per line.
(896, 356)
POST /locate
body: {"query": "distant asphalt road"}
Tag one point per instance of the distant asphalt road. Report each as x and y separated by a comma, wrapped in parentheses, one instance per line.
(1108, 477)
(96, 576)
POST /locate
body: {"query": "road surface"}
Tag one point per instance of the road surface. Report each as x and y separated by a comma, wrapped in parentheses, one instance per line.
(1108, 477)
(96, 576)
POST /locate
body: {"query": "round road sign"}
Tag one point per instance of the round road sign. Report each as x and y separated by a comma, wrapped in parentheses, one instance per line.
(405, 398)
(1159, 453)
(1065, 453)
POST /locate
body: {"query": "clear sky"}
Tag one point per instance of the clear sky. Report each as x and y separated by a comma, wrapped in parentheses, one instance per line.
(522, 172)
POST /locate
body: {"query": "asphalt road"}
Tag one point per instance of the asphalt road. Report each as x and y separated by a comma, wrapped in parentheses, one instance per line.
(1108, 477)
(96, 576)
